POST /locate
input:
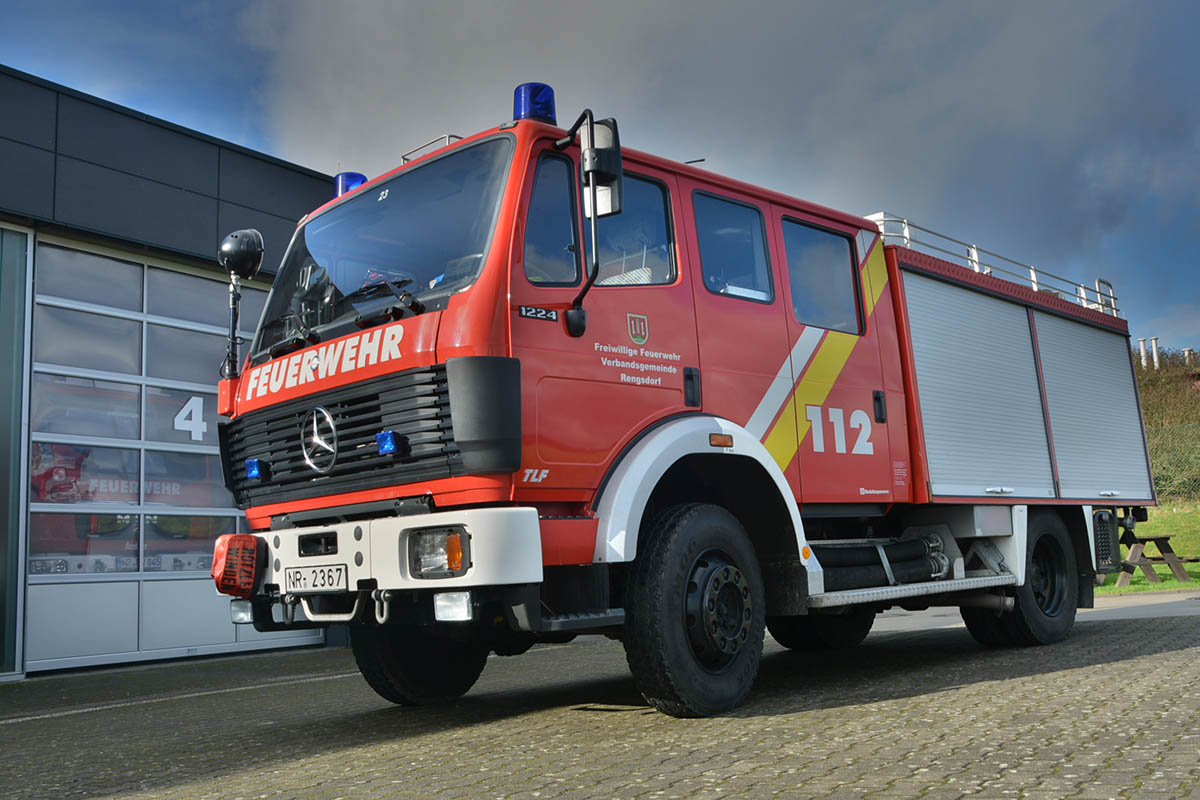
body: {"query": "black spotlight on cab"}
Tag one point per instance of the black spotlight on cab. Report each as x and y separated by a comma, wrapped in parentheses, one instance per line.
(241, 254)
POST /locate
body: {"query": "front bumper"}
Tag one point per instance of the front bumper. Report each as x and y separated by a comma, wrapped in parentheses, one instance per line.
(505, 549)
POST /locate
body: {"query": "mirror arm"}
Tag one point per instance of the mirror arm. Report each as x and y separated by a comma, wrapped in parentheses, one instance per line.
(576, 316)
(566, 141)
(230, 368)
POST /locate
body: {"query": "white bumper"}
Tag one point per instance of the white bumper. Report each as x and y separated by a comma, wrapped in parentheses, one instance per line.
(505, 548)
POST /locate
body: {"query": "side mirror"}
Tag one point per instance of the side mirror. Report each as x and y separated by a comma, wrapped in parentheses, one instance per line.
(600, 162)
(242, 253)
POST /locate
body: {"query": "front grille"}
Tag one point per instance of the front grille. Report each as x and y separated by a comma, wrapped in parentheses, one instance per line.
(414, 403)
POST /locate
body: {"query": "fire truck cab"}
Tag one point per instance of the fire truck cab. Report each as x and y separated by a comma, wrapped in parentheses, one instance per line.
(532, 384)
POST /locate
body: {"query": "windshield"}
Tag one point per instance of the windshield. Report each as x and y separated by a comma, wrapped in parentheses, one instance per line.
(397, 249)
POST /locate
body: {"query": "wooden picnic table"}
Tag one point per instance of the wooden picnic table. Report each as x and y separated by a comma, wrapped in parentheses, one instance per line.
(1138, 558)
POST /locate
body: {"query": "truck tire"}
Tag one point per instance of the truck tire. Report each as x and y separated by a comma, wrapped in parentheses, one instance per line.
(695, 612)
(1046, 603)
(409, 666)
(986, 626)
(823, 631)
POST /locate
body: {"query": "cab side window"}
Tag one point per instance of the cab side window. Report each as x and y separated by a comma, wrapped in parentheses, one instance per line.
(635, 245)
(551, 248)
(822, 273)
(733, 250)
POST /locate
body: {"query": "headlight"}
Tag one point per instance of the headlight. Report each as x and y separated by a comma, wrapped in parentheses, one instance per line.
(439, 552)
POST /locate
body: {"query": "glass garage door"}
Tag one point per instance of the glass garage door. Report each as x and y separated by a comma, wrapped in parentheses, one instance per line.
(126, 494)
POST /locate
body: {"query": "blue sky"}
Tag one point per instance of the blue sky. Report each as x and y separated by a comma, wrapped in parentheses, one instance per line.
(1066, 135)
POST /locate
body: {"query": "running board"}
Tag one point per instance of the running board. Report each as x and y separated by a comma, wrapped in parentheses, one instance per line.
(881, 593)
(563, 623)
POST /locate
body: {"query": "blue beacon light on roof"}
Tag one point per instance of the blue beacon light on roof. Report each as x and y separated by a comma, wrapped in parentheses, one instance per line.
(534, 101)
(348, 182)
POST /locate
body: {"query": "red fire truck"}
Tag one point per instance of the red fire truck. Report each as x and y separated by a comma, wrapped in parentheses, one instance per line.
(532, 385)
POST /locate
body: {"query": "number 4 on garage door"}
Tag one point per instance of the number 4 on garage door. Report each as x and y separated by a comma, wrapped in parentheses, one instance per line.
(190, 418)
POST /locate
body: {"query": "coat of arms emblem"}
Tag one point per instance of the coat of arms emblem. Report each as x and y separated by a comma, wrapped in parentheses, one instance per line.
(639, 328)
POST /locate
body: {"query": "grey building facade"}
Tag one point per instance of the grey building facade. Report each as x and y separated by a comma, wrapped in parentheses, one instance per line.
(111, 491)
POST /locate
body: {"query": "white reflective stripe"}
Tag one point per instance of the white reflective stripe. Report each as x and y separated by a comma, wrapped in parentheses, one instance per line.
(781, 388)
(866, 246)
(625, 497)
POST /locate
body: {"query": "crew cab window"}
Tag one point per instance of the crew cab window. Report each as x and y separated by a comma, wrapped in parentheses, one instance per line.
(551, 251)
(821, 270)
(635, 245)
(733, 250)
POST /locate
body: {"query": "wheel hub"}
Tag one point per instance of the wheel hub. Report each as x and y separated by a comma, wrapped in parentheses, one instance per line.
(718, 610)
(1047, 576)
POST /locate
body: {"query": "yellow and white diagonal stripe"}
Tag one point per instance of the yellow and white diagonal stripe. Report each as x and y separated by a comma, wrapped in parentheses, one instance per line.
(812, 368)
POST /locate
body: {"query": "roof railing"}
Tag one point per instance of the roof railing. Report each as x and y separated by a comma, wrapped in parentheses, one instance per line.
(899, 230)
(444, 140)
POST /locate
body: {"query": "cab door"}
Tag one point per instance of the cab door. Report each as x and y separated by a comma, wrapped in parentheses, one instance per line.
(745, 366)
(588, 397)
(841, 411)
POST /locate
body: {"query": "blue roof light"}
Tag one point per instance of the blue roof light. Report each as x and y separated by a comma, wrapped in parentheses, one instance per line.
(348, 182)
(386, 441)
(253, 469)
(534, 101)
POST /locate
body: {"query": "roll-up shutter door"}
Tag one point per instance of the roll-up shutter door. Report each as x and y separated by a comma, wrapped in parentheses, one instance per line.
(980, 404)
(1094, 415)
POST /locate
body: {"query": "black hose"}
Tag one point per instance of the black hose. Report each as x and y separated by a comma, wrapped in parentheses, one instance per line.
(861, 555)
(861, 577)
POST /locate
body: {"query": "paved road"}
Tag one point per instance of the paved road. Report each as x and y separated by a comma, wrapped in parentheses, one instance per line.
(1112, 712)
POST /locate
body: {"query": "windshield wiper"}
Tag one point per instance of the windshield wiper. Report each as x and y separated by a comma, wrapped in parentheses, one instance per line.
(302, 337)
(393, 308)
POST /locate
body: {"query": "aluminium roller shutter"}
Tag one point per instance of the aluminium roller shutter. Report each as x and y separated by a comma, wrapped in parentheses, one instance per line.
(1094, 414)
(980, 403)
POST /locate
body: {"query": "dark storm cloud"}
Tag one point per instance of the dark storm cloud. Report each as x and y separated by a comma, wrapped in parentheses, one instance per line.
(1037, 129)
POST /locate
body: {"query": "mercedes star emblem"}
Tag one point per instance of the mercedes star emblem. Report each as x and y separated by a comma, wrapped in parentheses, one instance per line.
(318, 439)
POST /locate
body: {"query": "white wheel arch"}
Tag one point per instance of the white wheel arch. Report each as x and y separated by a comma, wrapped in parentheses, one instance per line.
(623, 499)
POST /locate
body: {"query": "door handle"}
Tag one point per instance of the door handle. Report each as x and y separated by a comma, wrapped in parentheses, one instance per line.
(880, 406)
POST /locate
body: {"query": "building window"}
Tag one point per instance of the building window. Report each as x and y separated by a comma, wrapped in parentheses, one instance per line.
(821, 271)
(733, 249)
(125, 473)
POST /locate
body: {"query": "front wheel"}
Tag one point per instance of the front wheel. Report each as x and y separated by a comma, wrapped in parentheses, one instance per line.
(409, 666)
(696, 613)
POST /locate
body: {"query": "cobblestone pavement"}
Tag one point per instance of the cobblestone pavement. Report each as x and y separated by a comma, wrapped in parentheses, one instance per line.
(1112, 712)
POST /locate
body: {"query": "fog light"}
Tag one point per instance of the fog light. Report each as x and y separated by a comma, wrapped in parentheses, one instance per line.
(439, 553)
(241, 612)
(452, 606)
(386, 442)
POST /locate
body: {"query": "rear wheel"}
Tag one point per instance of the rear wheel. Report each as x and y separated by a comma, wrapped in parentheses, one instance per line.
(823, 631)
(409, 666)
(1046, 603)
(986, 626)
(696, 613)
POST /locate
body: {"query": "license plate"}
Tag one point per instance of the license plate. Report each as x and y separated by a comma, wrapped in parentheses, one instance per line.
(315, 580)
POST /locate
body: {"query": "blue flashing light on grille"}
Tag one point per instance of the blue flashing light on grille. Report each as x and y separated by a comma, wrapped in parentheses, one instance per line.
(253, 468)
(348, 182)
(386, 442)
(534, 101)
